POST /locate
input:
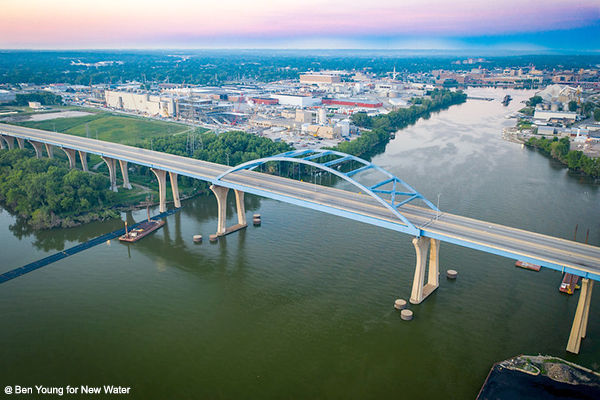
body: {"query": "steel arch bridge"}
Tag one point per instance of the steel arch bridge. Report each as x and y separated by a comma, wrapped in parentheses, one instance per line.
(398, 192)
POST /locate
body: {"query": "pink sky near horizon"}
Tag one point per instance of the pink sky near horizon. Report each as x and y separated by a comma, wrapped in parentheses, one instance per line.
(136, 23)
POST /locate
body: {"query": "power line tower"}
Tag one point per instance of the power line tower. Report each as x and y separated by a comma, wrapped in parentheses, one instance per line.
(191, 143)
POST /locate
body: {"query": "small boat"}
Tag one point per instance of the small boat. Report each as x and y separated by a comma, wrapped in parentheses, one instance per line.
(526, 265)
(506, 100)
(569, 284)
(143, 229)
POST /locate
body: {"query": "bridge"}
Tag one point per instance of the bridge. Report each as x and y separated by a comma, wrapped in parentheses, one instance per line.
(388, 203)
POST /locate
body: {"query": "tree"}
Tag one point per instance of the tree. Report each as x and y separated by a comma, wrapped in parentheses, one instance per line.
(573, 106)
(597, 114)
(534, 101)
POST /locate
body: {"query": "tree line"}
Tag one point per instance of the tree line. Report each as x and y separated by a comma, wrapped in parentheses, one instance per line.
(48, 194)
(213, 67)
(560, 150)
(381, 127)
(44, 98)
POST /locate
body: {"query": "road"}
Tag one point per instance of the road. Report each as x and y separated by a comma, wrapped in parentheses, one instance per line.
(548, 251)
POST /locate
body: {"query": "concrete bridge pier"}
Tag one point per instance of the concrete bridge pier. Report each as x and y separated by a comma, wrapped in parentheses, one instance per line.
(112, 170)
(420, 291)
(221, 194)
(72, 156)
(49, 150)
(37, 146)
(125, 174)
(175, 188)
(579, 328)
(2, 142)
(10, 141)
(21, 142)
(83, 157)
(161, 176)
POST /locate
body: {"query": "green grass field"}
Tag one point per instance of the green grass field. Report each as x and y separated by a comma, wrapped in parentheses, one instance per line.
(110, 127)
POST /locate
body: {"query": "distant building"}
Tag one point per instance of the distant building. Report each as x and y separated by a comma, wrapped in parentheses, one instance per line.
(559, 116)
(141, 102)
(36, 105)
(325, 132)
(297, 100)
(6, 96)
(319, 78)
(264, 100)
(354, 103)
(304, 116)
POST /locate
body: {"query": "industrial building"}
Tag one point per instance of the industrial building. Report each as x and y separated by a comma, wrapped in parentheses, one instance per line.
(556, 116)
(264, 101)
(143, 103)
(297, 100)
(320, 78)
(207, 111)
(354, 103)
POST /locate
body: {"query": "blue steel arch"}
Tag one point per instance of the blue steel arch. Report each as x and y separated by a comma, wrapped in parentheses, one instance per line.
(307, 156)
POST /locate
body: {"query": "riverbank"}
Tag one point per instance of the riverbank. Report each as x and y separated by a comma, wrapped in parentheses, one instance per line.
(381, 128)
(585, 160)
(539, 377)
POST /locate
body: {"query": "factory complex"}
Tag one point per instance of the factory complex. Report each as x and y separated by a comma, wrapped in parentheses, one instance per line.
(313, 111)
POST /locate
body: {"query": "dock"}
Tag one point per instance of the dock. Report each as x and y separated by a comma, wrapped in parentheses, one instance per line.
(479, 98)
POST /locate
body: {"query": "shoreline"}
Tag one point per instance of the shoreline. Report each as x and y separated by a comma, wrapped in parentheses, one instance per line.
(539, 377)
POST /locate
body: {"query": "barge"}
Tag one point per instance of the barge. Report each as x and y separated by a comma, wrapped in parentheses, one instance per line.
(142, 230)
(526, 265)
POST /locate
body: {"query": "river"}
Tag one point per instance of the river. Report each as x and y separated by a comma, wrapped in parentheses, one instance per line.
(302, 306)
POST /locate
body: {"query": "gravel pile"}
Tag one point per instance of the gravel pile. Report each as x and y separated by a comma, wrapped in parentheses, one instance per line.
(560, 372)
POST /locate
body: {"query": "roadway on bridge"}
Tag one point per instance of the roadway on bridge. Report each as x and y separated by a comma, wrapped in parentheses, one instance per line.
(555, 253)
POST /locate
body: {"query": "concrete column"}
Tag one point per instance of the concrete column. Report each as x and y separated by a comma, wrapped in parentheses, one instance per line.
(579, 329)
(221, 194)
(112, 170)
(175, 189)
(420, 291)
(2, 142)
(161, 176)
(10, 141)
(241, 207)
(49, 150)
(37, 147)
(83, 157)
(433, 278)
(125, 174)
(72, 156)
(21, 142)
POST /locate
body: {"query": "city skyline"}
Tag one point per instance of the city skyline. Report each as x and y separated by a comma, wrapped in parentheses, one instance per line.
(536, 26)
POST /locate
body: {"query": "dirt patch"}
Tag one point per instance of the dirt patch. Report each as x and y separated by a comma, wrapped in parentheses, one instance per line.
(62, 114)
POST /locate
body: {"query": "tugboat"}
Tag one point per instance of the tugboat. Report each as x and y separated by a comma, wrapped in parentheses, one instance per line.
(506, 100)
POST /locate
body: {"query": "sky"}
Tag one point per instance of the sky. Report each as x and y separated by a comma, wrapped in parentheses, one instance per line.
(523, 25)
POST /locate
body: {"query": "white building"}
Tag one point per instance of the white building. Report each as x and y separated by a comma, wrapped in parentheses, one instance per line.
(143, 103)
(297, 100)
(545, 115)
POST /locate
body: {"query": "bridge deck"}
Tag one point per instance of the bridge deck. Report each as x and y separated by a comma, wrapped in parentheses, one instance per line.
(551, 252)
